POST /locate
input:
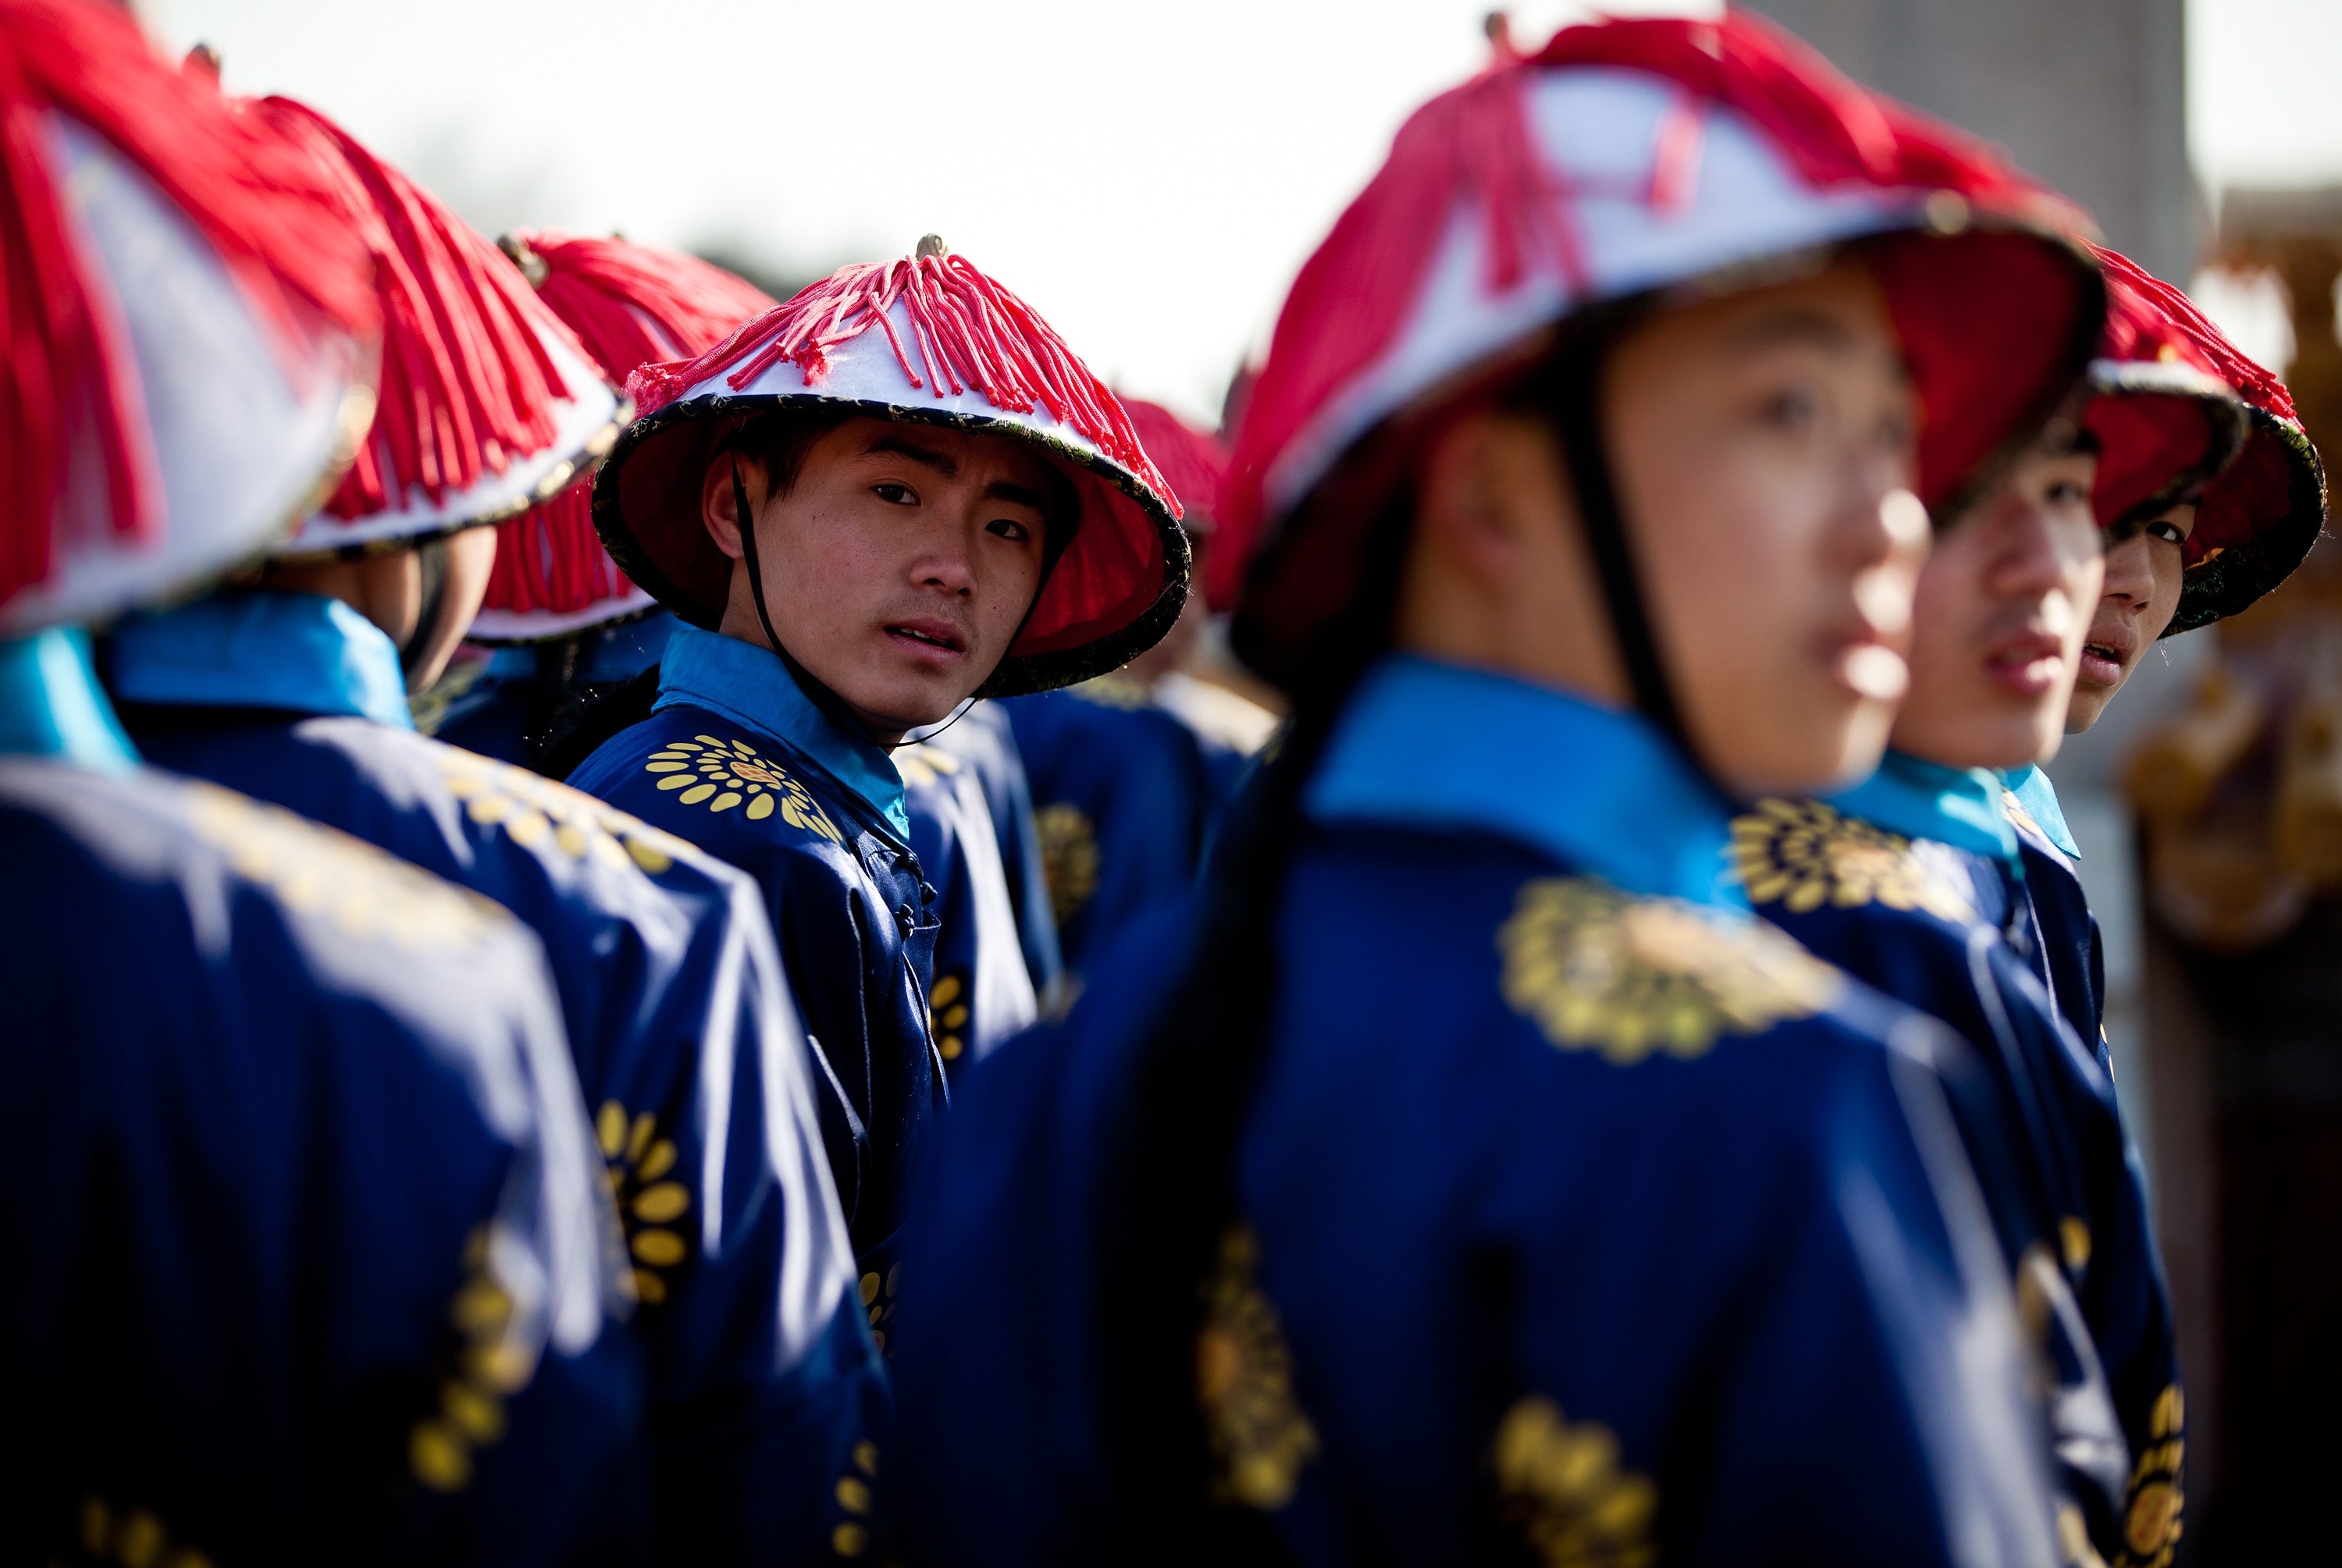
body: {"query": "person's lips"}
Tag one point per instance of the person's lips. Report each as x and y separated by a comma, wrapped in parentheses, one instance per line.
(2108, 654)
(928, 640)
(2026, 665)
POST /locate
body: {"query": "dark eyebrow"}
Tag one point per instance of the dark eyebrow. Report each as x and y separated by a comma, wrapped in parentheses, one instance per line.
(1017, 495)
(1793, 324)
(943, 463)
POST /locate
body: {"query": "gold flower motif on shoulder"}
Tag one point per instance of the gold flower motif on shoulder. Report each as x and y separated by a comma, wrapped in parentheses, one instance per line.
(2154, 1499)
(1598, 969)
(1115, 689)
(534, 810)
(1261, 1438)
(721, 774)
(1563, 1488)
(1802, 854)
(320, 872)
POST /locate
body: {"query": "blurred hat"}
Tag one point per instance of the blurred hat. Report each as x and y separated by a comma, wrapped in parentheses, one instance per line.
(190, 342)
(1196, 464)
(1628, 160)
(488, 403)
(630, 305)
(2164, 420)
(2258, 518)
(927, 339)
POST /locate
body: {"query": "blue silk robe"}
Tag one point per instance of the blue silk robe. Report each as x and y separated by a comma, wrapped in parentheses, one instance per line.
(1913, 881)
(1578, 1210)
(306, 1243)
(983, 738)
(678, 1015)
(2072, 960)
(982, 992)
(1122, 799)
(735, 759)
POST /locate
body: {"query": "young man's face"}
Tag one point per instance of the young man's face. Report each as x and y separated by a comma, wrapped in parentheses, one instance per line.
(1764, 447)
(2144, 575)
(2004, 604)
(899, 566)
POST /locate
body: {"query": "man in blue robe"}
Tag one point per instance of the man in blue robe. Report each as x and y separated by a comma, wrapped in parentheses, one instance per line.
(863, 537)
(1473, 1179)
(293, 687)
(1916, 882)
(306, 1240)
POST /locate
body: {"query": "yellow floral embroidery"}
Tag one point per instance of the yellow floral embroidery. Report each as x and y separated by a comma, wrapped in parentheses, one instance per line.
(1069, 857)
(948, 1006)
(639, 1164)
(495, 1364)
(1561, 1483)
(721, 774)
(923, 764)
(878, 1300)
(1115, 689)
(1260, 1436)
(2151, 1522)
(534, 810)
(852, 1536)
(1597, 969)
(134, 1538)
(317, 872)
(1802, 854)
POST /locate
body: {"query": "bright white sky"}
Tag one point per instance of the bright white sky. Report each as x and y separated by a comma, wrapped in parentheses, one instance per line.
(1148, 176)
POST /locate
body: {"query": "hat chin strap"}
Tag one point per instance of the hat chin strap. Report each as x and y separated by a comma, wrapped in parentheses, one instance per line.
(818, 692)
(1575, 411)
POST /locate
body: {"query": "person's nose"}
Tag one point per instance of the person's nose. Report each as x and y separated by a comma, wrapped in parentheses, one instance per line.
(2130, 572)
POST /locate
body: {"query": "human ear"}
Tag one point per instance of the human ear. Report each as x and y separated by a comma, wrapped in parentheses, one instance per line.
(1479, 482)
(719, 511)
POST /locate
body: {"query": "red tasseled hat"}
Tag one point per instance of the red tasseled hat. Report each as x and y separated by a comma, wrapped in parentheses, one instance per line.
(488, 403)
(2255, 521)
(630, 305)
(925, 339)
(1195, 462)
(2164, 421)
(1627, 159)
(189, 341)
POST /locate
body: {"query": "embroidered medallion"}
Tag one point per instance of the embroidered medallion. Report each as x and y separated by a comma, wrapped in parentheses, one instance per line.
(851, 1538)
(1115, 689)
(1244, 1382)
(1069, 857)
(878, 1301)
(1803, 854)
(924, 764)
(132, 1536)
(637, 1162)
(1597, 969)
(721, 774)
(496, 1363)
(1562, 1485)
(2151, 1522)
(363, 893)
(535, 811)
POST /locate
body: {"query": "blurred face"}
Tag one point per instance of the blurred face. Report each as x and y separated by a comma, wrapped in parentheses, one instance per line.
(389, 591)
(1763, 447)
(897, 568)
(2144, 575)
(2004, 605)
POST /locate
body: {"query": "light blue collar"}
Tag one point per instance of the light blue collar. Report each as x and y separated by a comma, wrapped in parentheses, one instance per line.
(1434, 744)
(51, 704)
(2035, 792)
(1920, 799)
(261, 648)
(749, 684)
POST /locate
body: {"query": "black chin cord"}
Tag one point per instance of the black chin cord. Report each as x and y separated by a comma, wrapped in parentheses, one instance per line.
(1574, 409)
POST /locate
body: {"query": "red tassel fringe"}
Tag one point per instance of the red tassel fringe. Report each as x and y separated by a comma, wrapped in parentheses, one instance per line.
(2144, 310)
(1352, 296)
(258, 201)
(466, 387)
(629, 304)
(966, 331)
